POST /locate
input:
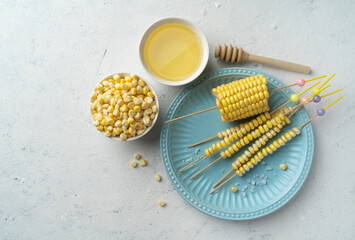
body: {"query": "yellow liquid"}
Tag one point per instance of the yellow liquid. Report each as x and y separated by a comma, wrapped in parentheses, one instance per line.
(173, 52)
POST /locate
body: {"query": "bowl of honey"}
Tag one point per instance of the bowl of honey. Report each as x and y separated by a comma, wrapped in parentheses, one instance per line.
(174, 51)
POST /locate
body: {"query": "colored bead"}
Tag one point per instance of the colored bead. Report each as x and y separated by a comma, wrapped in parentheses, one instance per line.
(301, 82)
(321, 112)
(316, 98)
(304, 101)
(294, 98)
(316, 90)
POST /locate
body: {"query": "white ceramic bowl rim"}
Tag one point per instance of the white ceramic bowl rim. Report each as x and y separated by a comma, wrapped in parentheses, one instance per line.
(156, 101)
(193, 27)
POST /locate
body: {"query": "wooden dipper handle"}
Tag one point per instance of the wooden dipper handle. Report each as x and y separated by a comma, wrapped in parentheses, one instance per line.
(234, 54)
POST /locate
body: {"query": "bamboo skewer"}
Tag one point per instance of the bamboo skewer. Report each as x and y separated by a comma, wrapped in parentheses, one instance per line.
(192, 163)
(222, 184)
(189, 115)
(209, 165)
(281, 106)
(202, 111)
(220, 180)
(202, 141)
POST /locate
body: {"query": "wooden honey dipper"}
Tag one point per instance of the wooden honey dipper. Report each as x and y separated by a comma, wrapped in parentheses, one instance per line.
(234, 54)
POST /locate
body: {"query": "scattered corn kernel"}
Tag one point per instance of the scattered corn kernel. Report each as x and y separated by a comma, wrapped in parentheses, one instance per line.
(134, 164)
(143, 163)
(234, 189)
(161, 203)
(137, 156)
(157, 177)
(283, 166)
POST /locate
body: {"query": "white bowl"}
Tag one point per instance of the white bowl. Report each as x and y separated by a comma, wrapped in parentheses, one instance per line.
(156, 101)
(205, 50)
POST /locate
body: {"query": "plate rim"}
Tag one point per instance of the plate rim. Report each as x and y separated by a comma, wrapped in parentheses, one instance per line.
(272, 207)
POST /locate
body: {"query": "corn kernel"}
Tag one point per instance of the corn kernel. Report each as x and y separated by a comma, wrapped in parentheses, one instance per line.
(131, 113)
(123, 136)
(137, 156)
(146, 121)
(143, 163)
(110, 121)
(116, 77)
(283, 166)
(133, 164)
(234, 189)
(161, 203)
(145, 90)
(141, 83)
(145, 105)
(103, 122)
(140, 132)
(149, 100)
(137, 108)
(124, 108)
(157, 177)
(139, 89)
(127, 98)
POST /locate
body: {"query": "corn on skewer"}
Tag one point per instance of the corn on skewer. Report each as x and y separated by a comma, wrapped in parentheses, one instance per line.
(262, 117)
(278, 122)
(258, 143)
(276, 144)
(255, 147)
(240, 131)
(243, 98)
(236, 132)
(263, 153)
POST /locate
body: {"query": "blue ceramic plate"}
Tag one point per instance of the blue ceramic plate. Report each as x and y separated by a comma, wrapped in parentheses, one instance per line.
(262, 190)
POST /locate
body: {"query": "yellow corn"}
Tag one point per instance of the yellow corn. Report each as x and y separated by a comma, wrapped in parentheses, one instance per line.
(242, 169)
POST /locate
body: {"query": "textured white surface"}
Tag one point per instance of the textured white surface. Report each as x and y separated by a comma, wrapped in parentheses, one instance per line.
(61, 179)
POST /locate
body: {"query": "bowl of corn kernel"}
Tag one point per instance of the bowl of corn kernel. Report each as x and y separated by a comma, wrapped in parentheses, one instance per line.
(124, 107)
